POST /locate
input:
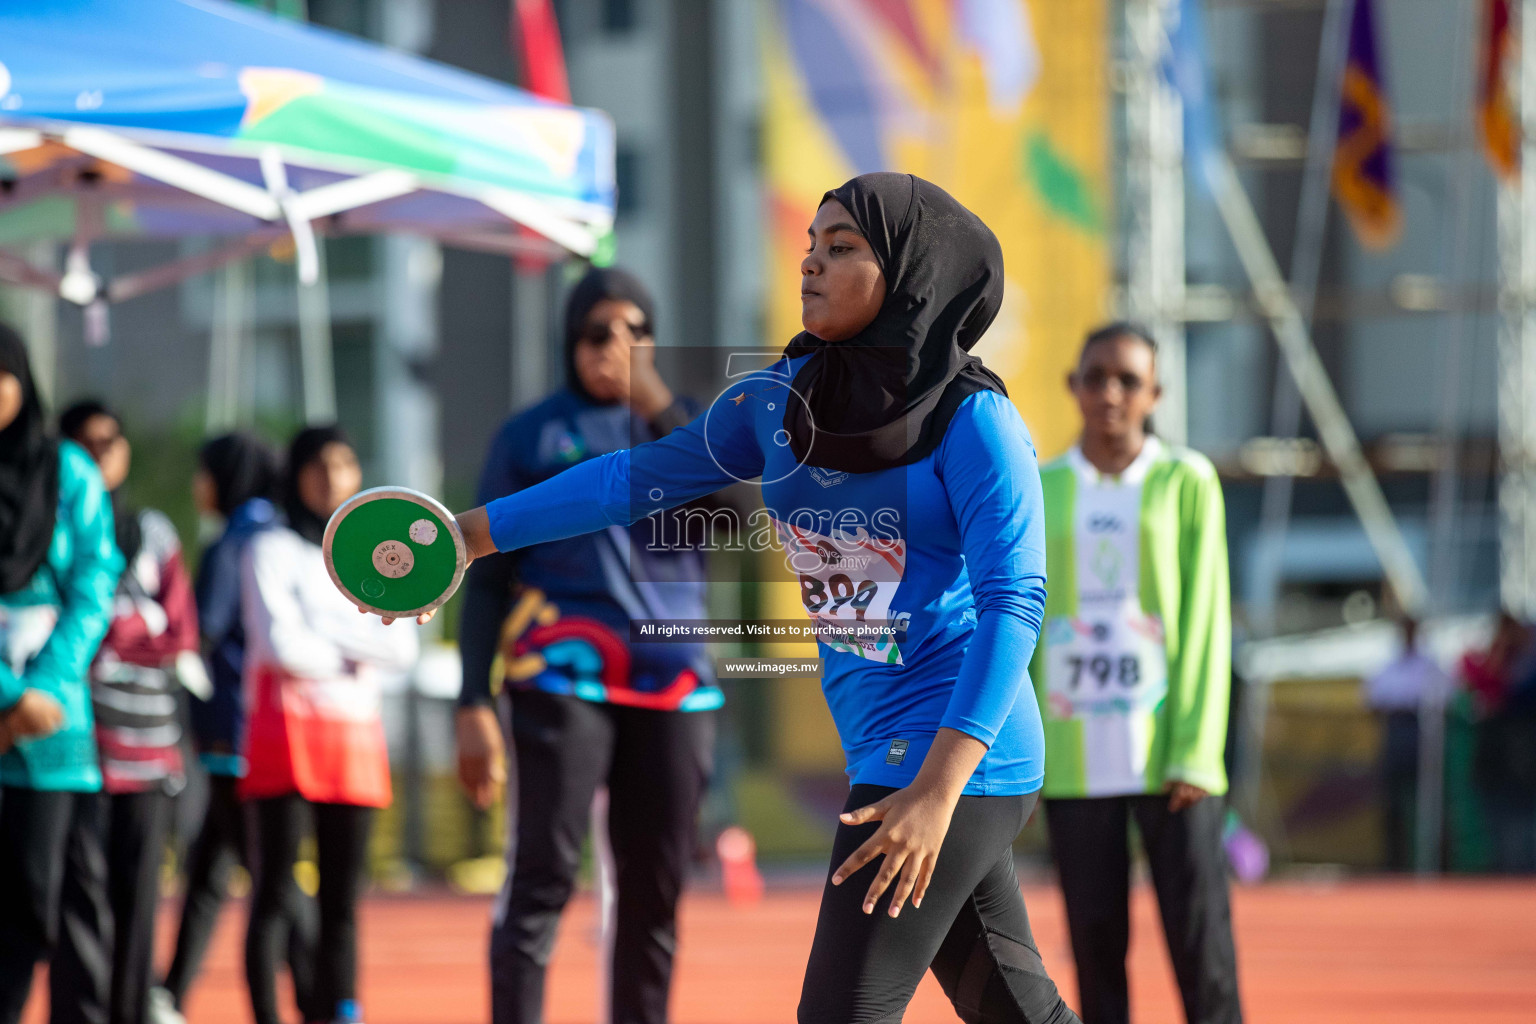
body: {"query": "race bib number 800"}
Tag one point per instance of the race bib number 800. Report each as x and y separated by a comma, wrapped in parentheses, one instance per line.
(1113, 663)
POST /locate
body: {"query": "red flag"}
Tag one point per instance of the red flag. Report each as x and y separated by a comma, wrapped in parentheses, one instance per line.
(538, 44)
(536, 37)
(1495, 110)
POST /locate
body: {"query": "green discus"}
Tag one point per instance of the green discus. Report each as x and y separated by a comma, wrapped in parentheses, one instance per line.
(395, 552)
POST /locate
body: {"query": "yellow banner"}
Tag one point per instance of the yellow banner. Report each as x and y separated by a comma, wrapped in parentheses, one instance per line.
(1004, 103)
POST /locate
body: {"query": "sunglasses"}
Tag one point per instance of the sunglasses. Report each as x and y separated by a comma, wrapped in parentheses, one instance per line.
(597, 334)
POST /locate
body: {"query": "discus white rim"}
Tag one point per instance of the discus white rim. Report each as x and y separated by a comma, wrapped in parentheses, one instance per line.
(426, 501)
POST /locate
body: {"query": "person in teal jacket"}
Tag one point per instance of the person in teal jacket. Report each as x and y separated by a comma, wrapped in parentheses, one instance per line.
(59, 566)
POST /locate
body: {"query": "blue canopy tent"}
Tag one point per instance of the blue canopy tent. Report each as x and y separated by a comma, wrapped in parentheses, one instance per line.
(175, 118)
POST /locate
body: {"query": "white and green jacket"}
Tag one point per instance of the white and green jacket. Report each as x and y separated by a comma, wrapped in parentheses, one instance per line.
(1133, 667)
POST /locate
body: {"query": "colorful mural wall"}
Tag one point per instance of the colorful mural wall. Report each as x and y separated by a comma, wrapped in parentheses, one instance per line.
(1005, 103)
(1002, 102)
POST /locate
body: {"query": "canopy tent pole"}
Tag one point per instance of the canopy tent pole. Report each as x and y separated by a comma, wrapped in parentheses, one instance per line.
(42, 321)
(231, 316)
(20, 271)
(80, 284)
(131, 286)
(173, 170)
(14, 140)
(315, 358)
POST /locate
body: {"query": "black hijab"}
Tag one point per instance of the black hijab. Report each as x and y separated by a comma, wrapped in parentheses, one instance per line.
(29, 476)
(884, 397)
(598, 284)
(305, 448)
(125, 518)
(242, 468)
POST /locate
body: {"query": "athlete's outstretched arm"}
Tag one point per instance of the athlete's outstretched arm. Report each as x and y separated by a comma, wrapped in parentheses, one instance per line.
(718, 448)
(713, 451)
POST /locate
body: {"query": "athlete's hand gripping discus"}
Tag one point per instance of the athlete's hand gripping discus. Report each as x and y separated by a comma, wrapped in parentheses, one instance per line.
(395, 552)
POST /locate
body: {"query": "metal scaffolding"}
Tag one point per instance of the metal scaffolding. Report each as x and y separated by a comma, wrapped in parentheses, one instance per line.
(1155, 289)
(1517, 346)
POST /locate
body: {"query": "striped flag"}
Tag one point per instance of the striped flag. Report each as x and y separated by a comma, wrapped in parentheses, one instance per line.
(1495, 111)
(1363, 178)
(538, 45)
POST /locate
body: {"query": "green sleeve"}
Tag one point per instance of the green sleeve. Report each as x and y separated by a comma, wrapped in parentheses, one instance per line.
(1200, 681)
(86, 585)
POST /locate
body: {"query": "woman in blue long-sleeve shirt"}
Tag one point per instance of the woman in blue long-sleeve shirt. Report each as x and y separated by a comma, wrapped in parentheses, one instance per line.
(903, 486)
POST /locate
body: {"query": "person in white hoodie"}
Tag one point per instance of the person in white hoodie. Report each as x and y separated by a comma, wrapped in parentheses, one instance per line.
(315, 736)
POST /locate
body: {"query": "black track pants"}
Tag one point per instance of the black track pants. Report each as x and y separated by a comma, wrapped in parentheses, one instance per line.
(107, 928)
(972, 930)
(36, 843)
(655, 765)
(1090, 842)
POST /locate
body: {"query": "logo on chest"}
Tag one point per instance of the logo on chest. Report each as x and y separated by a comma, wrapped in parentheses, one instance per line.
(827, 477)
(560, 446)
(1104, 522)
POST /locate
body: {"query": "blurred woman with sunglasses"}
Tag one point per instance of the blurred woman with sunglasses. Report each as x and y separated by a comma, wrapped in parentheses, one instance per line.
(589, 709)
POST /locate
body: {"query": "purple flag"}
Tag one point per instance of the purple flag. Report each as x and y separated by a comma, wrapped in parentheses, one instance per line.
(1363, 178)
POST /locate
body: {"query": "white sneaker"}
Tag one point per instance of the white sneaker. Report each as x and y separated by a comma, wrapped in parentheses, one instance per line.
(162, 1008)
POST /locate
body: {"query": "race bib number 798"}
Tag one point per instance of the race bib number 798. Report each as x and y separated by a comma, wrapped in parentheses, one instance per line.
(1113, 663)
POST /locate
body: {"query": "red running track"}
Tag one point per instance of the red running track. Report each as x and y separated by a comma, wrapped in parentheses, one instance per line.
(1387, 952)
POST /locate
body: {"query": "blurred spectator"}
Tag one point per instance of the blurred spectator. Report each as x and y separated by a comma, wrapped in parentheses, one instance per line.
(1503, 678)
(586, 708)
(1133, 676)
(134, 683)
(314, 740)
(58, 569)
(1408, 683)
(236, 480)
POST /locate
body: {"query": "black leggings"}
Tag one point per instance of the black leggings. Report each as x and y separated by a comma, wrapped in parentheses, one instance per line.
(220, 844)
(341, 839)
(971, 931)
